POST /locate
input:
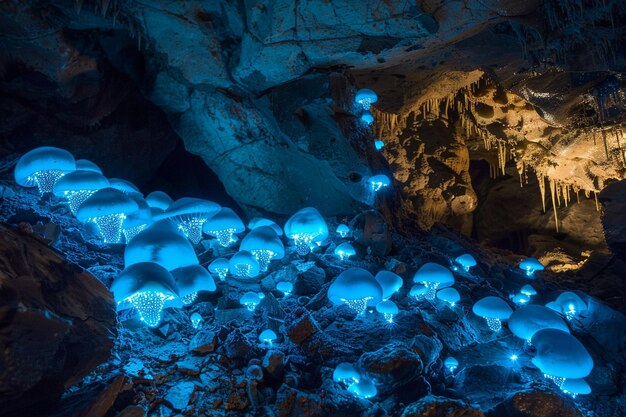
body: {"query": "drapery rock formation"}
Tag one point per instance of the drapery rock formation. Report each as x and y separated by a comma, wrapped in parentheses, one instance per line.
(57, 323)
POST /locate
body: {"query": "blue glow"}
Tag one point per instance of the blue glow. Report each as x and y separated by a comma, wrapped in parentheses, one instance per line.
(367, 117)
(346, 373)
(285, 287)
(389, 282)
(244, 265)
(110, 227)
(560, 355)
(356, 288)
(466, 261)
(305, 227)
(379, 144)
(42, 167)
(569, 304)
(388, 309)
(219, 267)
(530, 265)
(149, 305)
(363, 389)
(223, 225)
(528, 320)
(451, 364)
(365, 97)
(267, 336)
(250, 300)
(76, 198)
(449, 295)
(344, 251)
(196, 319)
(264, 244)
(377, 182)
(342, 230)
(493, 310)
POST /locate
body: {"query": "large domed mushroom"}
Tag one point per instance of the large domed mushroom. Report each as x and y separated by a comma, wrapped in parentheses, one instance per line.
(356, 288)
(305, 227)
(78, 186)
(42, 167)
(189, 215)
(107, 208)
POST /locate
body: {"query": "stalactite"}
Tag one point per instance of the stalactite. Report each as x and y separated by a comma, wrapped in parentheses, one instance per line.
(542, 188)
(553, 193)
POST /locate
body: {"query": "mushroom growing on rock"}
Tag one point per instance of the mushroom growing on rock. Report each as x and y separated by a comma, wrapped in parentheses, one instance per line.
(418, 291)
(107, 208)
(389, 282)
(192, 279)
(451, 364)
(189, 215)
(379, 181)
(196, 319)
(356, 288)
(78, 186)
(42, 167)
(569, 304)
(530, 265)
(138, 220)
(87, 165)
(149, 288)
(433, 276)
(250, 300)
(575, 387)
(346, 373)
(124, 186)
(163, 244)
(305, 227)
(159, 200)
(223, 225)
(365, 388)
(449, 295)
(367, 117)
(268, 336)
(493, 310)
(528, 320)
(220, 267)
(560, 356)
(285, 287)
(365, 97)
(344, 251)
(342, 230)
(388, 309)
(466, 261)
(528, 290)
(264, 244)
(244, 265)
(259, 221)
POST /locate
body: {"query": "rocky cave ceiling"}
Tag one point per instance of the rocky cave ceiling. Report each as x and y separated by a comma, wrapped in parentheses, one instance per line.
(476, 98)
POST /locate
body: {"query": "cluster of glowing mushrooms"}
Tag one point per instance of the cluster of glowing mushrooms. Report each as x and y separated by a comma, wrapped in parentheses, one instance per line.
(162, 269)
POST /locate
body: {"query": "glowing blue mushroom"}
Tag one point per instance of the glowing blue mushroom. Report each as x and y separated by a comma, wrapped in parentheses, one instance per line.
(189, 215)
(267, 336)
(124, 186)
(223, 225)
(86, 165)
(137, 221)
(379, 144)
(530, 265)
(560, 356)
(42, 167)
(365, 97)
(363, 389)
(451, 364)
(196, 319)
(344, 251)
(163, 244)
(367, 117)
(346, 373)
(343, 230)
(419, 291)
(388, 309)
(379, 181)
(449, 295)
(356, 288)
(250, 300)
(519, 298)
(107, 208)
(264, 244)
(569, 304)
(220, 267)
(78, 186)
(159, 200)
(244, 265)
(493, 310)
(528, 320)
(389, 282)
(147, 287)
(528, 290)
(305, 227)
(285, 287)
(192, 279)
(575, 387)
(433, 276)
(259, 221)
(466, 261)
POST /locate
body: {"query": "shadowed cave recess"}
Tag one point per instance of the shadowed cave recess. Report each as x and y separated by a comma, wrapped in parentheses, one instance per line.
(312, 208)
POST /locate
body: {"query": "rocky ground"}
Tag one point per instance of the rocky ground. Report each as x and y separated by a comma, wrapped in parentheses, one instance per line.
(222, 368)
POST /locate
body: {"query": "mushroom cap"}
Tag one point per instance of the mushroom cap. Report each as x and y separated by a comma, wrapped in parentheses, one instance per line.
(519, 298)
(380, 178)
(144, 277)
(345, 248)
(224, 219)
(355, 284)
(267, 334)
(259, 221)
(493, 308)
(87, 165)
(250, 297)
(244, 257)
(379, 144)
(449, 295)
(432, 272)
(364, 388)
(219, 263)
(450, 362)
(342, 228)
(560, 354)
(367, 117)
(567, 299)
(192, 279)
(307, 221)
(528, 290)
(528, 320)
(163, 244)
(196, 317)
(345, 371)
(365, 94)
(417, 290)
(189, 205)
(143, 214)
(466, 260)
(124, 186)
(389, 282)
(263, 238)
(387, 307)
(104, 202)
(576, 386)
(284, 286)
(42, 159)
(78, 181)
(159, 200)
(531, 264)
